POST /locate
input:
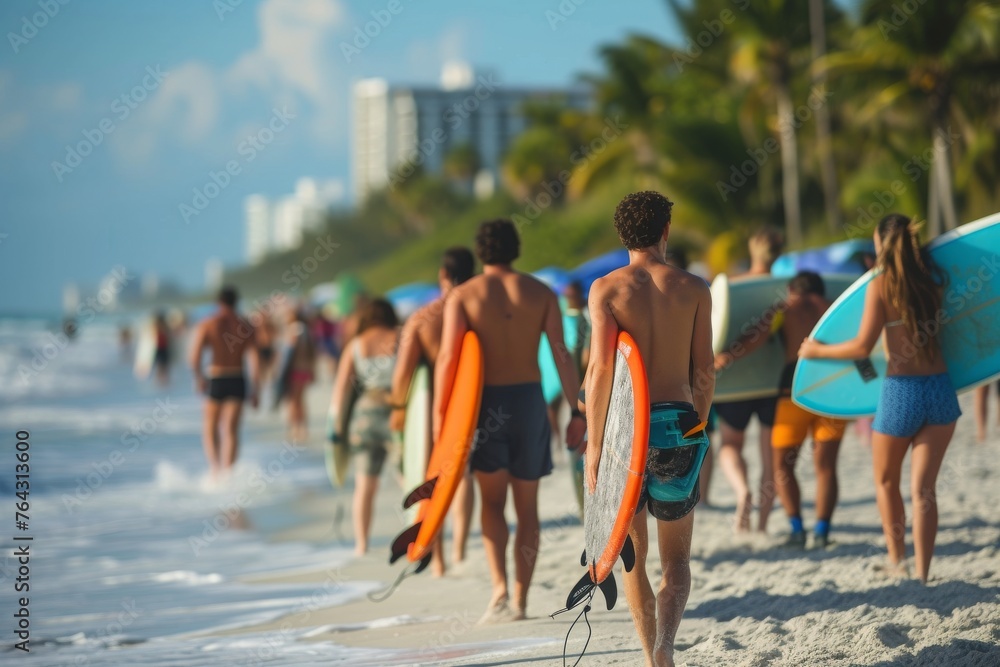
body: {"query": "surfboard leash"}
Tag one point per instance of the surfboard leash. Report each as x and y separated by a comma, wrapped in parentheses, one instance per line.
(586, 608)
(383, 595)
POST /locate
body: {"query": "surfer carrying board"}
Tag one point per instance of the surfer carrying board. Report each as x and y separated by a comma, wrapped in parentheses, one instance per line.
(230, 338)
(667, 311)
(917, 405)
(765, 246)
(805, 304)
(508, 311)
(419, 343)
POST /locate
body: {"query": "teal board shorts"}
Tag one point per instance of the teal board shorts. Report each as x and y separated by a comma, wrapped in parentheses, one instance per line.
(673, 464)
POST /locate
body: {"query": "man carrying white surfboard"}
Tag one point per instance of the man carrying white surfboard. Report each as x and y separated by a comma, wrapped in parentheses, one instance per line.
(508, 311)
(668, 313)
(805, 304)
(765, 246)
(419, 343)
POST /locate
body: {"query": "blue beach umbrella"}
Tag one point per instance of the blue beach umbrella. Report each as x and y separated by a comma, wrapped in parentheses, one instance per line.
(599, 267)
(406, 299)
(843, 257)
(554, 277)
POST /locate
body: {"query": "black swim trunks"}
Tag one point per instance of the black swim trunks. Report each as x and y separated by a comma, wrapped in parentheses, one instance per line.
(738, 413)
(513, 432)
(227, 388)
(161, 357)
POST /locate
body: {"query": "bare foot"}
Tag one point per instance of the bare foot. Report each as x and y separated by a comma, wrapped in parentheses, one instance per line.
(663, 657)
(437, 567)
(892, 570)
(498, 611)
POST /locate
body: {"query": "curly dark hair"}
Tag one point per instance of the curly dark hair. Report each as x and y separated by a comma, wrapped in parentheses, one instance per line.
(497, 242)
(641, 218)
(378, 313)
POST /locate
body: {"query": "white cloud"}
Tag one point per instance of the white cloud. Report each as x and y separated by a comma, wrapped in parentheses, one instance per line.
(289, 64)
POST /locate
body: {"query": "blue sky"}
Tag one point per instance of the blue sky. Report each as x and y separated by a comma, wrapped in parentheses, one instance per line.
(197, 77)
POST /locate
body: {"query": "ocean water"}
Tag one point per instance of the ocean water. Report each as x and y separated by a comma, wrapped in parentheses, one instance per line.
(136, 558)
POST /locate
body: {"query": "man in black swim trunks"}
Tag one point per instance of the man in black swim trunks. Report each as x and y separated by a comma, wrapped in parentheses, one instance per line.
(509, 311)
(230, 338)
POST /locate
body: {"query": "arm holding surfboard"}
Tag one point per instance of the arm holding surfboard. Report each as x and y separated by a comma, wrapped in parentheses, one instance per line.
(859, 347)
(341, 391)
(452, 333)
(567, 370)
(603, 339)
(407, 358)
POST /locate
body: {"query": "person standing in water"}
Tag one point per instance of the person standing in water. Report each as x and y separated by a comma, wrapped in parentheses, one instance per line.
(367, 363)
(508, 311)
(162, 357)
(917, 406)
(650, 299)
(420, 342)
(303, 371)
(229, 338)
(765, 246)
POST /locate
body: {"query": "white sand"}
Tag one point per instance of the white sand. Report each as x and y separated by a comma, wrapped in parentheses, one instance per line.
(751, 603)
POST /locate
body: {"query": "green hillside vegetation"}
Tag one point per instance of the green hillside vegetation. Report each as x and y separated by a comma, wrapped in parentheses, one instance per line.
(759, 115)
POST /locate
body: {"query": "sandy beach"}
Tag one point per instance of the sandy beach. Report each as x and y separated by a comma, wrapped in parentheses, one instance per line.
(752, 602)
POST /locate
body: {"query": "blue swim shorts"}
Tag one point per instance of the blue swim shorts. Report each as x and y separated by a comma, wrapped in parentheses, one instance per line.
(910, 402)
(674, 461)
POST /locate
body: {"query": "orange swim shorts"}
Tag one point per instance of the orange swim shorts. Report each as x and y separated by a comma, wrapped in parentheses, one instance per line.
(792, 425)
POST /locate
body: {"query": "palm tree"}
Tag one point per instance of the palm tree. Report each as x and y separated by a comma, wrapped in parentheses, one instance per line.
(824, 145)
(772, 40)
(934, 63)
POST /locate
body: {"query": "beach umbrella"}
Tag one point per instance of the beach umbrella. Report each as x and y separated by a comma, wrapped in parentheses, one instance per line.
(599, 267)
(843, 257)
(406, 299)
(554, 277)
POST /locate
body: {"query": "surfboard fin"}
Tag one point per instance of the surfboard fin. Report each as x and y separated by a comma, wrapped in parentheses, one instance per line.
(610, 590)
(424, 562)
(580, 591)
(403, 542)
(422, 492)
(628, 554)
(583, 558)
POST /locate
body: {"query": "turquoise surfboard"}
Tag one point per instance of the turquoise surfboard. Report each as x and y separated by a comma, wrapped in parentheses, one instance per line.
(969, 325)
(551, 384)
(738, 306)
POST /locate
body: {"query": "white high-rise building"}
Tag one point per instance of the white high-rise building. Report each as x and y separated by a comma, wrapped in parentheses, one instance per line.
(258, 221)
(396, 128)
(283, 224)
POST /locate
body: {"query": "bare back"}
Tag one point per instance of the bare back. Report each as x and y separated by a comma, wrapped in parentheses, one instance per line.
(427, 327)
(507, 310)
(658, 306)
(228, 337)
(901, 351)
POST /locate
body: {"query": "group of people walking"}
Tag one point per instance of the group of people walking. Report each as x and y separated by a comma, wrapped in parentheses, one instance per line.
(668, 312)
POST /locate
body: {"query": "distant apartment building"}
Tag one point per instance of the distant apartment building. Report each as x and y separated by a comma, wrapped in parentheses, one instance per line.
(398, 127)
(281, 224)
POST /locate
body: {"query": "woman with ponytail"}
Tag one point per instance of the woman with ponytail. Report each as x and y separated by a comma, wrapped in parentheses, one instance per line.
(918, 406)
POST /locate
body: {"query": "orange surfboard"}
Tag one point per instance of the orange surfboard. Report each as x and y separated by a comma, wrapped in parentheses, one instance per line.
(449, 458)
(608, 512)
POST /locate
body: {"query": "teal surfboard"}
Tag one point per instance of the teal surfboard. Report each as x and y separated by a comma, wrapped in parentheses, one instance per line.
(738, 306)
(969, 325)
